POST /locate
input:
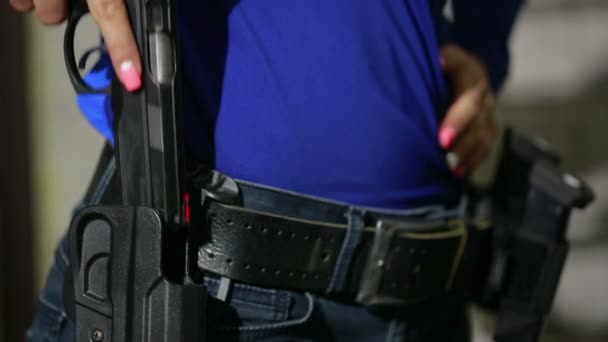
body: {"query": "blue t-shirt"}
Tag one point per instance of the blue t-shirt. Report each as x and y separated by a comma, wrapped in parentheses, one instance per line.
(340, 99)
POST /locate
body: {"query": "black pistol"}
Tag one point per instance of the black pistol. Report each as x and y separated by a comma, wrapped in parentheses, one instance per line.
(129, 277)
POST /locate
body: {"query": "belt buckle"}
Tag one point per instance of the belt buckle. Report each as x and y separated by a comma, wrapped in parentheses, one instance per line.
(386, 230)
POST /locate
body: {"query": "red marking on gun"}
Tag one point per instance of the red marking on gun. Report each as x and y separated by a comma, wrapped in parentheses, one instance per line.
(187, 213)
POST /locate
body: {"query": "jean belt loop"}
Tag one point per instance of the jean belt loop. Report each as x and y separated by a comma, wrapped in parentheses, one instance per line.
(463, 206)
(356, 227)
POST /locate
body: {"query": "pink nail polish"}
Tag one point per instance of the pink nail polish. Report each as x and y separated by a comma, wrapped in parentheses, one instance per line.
(459, 172)
(446, 137)
(130, 76)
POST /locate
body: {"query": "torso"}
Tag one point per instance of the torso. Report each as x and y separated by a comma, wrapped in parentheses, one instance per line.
(340, 99)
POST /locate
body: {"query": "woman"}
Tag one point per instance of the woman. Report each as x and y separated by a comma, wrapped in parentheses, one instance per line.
(343, 100)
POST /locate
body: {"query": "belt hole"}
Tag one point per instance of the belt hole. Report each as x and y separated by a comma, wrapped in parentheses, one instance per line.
(248, 226)
(417, 268)
(247, 266)
(264, 230)
(306, 237)
(210, 255)
(277, 272)
(229, 222)
(229, 261)
(291, 274)
(279, 232)
(292, 235)
(304, 275)
(263, 269)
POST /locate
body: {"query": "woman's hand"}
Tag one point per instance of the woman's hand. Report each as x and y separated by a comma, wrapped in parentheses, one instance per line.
(113, 22)
(469, 129)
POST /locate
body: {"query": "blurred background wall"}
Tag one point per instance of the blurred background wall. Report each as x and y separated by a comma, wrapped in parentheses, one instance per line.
(16, 235)
(558, 89)
(62, 152)
(65, 146)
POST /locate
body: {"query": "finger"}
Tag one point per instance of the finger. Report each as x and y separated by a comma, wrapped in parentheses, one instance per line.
(479, 151)
(452, 57)
(469, 139)
(22, 5)
(113, 22)
(472, 159)
(466, 167)
(481, 131)
(51, 12)
(461, 113)
(464, 69)
(475, 158)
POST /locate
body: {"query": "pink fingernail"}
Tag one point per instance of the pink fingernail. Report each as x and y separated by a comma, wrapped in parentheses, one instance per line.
(130, 76)
(459, 172)
(446, 137)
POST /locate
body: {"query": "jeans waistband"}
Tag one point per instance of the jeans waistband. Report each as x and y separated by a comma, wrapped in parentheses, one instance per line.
(288, 203)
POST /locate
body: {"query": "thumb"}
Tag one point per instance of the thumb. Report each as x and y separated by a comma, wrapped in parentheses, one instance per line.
(462, 112)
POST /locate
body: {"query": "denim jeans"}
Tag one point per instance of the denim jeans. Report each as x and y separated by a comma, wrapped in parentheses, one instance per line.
(252, 313)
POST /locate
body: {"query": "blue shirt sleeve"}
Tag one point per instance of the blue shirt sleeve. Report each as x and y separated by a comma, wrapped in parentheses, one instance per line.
(483, 27)
(97, 108)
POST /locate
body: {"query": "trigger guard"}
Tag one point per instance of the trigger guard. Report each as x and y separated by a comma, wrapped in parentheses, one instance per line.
(82, 62)
(73, 68)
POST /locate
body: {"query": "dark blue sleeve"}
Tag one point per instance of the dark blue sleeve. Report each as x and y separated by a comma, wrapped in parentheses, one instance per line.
(483, 27)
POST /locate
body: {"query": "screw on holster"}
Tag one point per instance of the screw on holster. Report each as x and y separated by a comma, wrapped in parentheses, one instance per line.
(96, 335)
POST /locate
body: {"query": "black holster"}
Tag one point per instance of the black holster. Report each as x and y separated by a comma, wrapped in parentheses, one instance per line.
(130, 278)
(529, 206)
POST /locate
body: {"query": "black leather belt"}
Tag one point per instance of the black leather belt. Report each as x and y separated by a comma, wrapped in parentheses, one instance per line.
(290, 241)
